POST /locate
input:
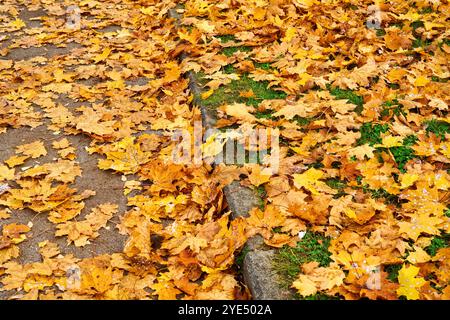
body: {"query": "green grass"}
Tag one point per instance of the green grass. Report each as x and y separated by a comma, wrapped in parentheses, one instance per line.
(417, 24)
(302, 121)
(426, 10)
(267, 114)
(392, 271)
(438, 242)
(262, 195)
(439, 80)
(392, 107)
(288, 262)
(226, 38)
(420, 43)
(383, 194)
(439, 128)
(240, 257)
(229, 51)
(403, 154)
(230, 93)
(338, 185)
(349, 95)
(371, 133)
(313, 247)
(264, 66)
(317, 296)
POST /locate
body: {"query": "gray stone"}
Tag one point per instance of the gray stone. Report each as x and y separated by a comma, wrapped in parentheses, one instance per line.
(240, 199)
(261, 278)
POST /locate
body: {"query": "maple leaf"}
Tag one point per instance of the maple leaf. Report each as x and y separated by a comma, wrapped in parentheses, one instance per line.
(34, 150)
(420, 222)
(409, 282)
(6, 173)
(318, 278)
(80, 232)
(240, 112)
(103, 56)
(418, 256)
(126, 156)
(309, 180)
(258, 176)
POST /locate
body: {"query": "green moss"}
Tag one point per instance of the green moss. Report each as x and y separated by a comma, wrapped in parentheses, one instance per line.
(440, 80)
(392, 271)
(426, 10)
(349, 95)
(240, 258)
(229, 51)
(267, 114)
(383, 194)
(226, 38)
(417, 24)
(262, 195)
(403, 154)
(302, 121)
(371, 133)
(439, 128)
(438, 242)
(230, 93)
(317, 296)
(264, 66)
(394, 86)
(392, 107)
(288, 262)
(229, 69)
(313, 247)
(337, 184)
(420, 43)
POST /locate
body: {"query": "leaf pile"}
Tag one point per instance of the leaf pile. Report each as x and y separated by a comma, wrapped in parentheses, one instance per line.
(364, 125)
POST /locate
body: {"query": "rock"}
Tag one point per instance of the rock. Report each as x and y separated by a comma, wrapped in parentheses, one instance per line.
(240, 199)
(261, 278)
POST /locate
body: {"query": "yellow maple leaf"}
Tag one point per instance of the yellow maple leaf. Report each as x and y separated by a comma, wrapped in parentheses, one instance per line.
(18, 23)
(101, 57)
(419, 223)
(35, 149)
(304, 285)
(258, 176)
(421, 81)
(305, 3)
(6, 173)
(290, 34)
(361, 152)
(148, 10)
(409, 282)
(418, 256)
(205, 26)
(390, 141)
(309, 180)
(240, 111)
(408, 180)
(207, 94)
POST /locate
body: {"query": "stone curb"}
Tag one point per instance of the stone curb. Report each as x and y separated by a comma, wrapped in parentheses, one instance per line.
(259, 274)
